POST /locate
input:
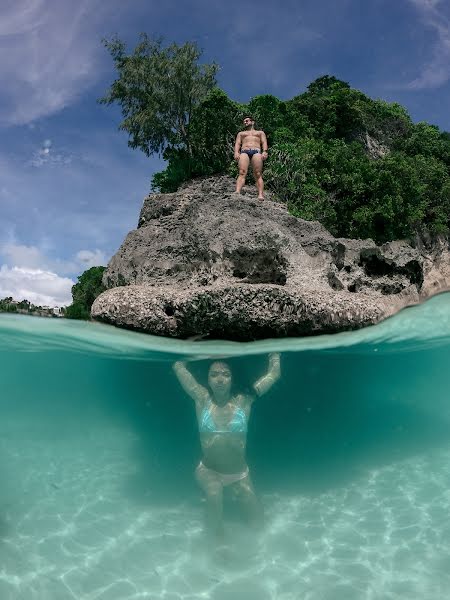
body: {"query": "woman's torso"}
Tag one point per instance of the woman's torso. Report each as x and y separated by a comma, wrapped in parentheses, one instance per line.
(223, 433)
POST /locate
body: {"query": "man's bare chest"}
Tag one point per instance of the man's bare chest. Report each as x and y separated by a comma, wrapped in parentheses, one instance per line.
(248, 137)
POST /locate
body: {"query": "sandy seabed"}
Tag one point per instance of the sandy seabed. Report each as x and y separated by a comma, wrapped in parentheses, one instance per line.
(69, 531)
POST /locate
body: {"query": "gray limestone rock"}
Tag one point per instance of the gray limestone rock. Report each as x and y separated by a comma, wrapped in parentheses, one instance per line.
(205, 261)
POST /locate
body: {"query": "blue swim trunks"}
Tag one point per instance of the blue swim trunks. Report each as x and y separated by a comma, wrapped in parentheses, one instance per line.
(250, 152)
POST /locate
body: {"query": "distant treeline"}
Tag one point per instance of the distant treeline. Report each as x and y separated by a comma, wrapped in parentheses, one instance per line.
(27, 308)
(359, 166)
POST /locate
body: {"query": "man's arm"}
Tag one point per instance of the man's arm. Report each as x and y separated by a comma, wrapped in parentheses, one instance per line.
(264, 384)
(265, 147)
(237, 146)
(188, 382)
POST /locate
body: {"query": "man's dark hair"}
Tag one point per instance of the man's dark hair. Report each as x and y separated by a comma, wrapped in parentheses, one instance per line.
(248, 117)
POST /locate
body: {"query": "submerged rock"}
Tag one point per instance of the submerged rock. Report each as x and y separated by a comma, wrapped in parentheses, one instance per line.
(205, 261)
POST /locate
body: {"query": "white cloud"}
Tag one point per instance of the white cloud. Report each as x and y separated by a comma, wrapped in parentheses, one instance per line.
(437, 71)
(88, 258)
(31, 257)
(49, 52)
(40, 287)
(28, 274)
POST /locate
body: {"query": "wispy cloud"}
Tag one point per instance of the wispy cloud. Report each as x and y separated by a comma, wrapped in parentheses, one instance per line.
(48, 56)
(437, 71)
(47, 155)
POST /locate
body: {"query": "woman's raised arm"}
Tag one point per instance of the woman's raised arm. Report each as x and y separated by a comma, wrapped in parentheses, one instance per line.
(265, 382)
(188, 382)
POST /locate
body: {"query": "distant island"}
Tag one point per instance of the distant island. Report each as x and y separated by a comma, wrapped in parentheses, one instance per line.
(25, 307)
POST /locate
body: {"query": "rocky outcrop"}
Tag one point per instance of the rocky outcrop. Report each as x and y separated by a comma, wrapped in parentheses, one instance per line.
(207, 262)
(373, 147)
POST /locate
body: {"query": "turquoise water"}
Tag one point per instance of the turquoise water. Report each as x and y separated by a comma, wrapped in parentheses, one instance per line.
(349, 452)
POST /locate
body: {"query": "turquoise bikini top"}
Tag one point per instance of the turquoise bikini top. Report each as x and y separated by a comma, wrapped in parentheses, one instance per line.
(237, 424)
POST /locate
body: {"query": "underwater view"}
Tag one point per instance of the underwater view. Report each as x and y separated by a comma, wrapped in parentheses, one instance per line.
(349, 453)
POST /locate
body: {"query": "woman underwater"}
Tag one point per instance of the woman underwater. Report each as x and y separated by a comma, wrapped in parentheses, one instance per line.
(222, 420)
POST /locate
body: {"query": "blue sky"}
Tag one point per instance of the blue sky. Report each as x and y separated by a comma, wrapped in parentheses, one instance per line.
(70, 188)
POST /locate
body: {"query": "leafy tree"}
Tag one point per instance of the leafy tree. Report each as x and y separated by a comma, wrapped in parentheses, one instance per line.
(334, 110)
(331, 107)
(426, 140)
(158, 88)
(327, 84)
(209, 153)
(84, 293)
(8, 305)
(269, 113)
(293, 168)
(387, 119)
(77, 311)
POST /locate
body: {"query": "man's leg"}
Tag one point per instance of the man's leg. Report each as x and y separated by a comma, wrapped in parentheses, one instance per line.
(257, 165)
(244, 161)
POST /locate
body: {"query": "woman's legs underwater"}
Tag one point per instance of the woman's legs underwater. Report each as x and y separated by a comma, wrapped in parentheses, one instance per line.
(213, 489)
(242, 490)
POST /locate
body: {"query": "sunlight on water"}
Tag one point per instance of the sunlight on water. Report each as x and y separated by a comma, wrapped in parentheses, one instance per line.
(349, 453)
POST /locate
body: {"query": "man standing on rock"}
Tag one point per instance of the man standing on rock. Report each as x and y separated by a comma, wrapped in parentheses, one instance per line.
(250, 147)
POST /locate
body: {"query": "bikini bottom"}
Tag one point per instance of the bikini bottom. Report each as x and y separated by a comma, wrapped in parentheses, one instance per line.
(224, 478)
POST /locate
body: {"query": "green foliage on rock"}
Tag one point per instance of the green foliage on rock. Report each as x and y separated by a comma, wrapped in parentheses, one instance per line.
(209, 154)
(84, 293)
(359, 166)
(336, 111)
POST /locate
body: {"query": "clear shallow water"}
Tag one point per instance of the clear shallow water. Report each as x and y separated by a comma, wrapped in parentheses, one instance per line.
(350, 454)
